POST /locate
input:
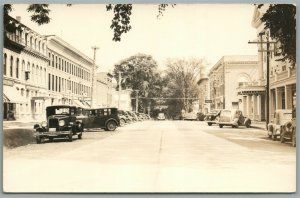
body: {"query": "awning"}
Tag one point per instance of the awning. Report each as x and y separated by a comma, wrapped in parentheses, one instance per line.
(11, 95)
(251, 90)
(79, 104)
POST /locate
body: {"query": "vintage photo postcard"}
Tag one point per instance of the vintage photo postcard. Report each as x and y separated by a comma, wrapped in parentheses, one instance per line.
(149, 98)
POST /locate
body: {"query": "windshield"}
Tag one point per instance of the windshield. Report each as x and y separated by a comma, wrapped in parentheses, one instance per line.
(60, 111)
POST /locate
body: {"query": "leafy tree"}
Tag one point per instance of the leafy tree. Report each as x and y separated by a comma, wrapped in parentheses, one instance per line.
(139, 72)
(182, 77)
(280, 19)
(120, 23)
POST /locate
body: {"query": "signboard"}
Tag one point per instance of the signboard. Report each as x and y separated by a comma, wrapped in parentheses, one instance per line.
(208, 101)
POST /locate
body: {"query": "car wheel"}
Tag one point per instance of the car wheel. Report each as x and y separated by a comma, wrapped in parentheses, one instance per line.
(70, 137)
(209, 124)
(294, 139)
(248, 123)
(80, 136)
(221, 125)
(38, 140)
(50, 139)
(111, 126)
(274, 137)
(122, 122)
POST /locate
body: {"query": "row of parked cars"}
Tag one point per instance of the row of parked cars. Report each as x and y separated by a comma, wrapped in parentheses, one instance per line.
(64, 121)
(282, 126)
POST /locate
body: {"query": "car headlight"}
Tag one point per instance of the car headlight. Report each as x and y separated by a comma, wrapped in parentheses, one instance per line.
(61, 123)
(44, 124)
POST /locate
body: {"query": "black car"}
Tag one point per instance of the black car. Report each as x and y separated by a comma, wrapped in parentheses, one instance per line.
(61, 122)
(104, 118)
(212, 117)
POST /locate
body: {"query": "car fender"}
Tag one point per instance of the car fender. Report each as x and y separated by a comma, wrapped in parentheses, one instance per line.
(247, 120)
(111, 119)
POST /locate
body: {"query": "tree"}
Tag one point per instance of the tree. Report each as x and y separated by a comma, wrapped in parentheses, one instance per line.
(280, 19)
(120, 23)
(182, 77)
(139, 72)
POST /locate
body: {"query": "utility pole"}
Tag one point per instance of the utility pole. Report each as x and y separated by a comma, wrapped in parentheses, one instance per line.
(120, 89)
(268, 72)
(95, 48)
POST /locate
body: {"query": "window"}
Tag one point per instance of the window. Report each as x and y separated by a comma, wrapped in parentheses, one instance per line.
(284, 68)
(4, 64)
(17, 68)
(49, 81)
(52, 60)
(11, 66)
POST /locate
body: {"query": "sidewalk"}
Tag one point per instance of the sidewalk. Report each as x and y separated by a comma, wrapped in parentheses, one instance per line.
(29, 123)
(258, 125)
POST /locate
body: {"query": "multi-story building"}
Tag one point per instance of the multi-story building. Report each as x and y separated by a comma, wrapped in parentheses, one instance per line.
(24, 73)
(229, 73)
(282, 74)
(104, 89)
(69, 78)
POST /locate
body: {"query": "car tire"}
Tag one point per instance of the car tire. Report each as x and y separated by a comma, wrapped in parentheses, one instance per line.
(248, 123)
(111, 126)
(209, 124)
(122, 122)
(221, 125)
(50, 139)
(38, 140)
(294, 139)
(70, 137)
(273, 137)
(80, 136)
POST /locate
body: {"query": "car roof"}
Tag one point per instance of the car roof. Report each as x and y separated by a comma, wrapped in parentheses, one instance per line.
(59, 106)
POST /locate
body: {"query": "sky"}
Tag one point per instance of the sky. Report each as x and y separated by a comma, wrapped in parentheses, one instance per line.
(207, 31)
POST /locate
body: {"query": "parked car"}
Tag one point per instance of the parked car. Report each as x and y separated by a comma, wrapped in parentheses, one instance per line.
(161, 116)
(61, 122)
(104, 118)
(280, 119)
(234, 118)
(200, 116)
(190, 116)
(212, 117)
(177, 117)
(123, 118)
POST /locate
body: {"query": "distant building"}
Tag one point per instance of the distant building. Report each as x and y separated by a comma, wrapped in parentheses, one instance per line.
(229, 73)
(104, 89)
(24, 73)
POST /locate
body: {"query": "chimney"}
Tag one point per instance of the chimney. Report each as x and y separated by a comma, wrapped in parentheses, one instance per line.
(18, 18)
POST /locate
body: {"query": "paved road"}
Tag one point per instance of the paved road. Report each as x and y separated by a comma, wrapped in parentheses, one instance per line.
(155, 156)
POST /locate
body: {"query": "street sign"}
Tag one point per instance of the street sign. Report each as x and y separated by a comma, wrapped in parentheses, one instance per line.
(208, 101)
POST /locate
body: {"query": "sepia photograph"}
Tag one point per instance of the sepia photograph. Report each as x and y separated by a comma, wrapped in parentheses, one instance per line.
(149, 98)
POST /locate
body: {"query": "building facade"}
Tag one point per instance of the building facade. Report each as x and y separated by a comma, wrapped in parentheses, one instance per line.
(282, 75)
(104, 89)
(69, 74)
(25, 64)
(226, 76)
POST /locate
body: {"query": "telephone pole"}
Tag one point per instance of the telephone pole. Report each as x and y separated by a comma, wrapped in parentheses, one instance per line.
(120, 89)
(95, 48)
(261, 42)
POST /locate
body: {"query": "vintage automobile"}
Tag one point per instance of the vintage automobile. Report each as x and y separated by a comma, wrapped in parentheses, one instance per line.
(104, 118)
(123, 118)
(212, 117)
(61, 122)
(161, 116)
(234, 118)
(200, 116)
(280, 120)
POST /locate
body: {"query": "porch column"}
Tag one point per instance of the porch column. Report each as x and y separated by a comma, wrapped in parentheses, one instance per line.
(288, 97)
(249, 105)
(244, 101)
(259, 108)
(255, 117)
(278, 98)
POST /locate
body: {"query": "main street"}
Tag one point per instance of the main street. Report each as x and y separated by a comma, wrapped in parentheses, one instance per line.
(155, 156)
